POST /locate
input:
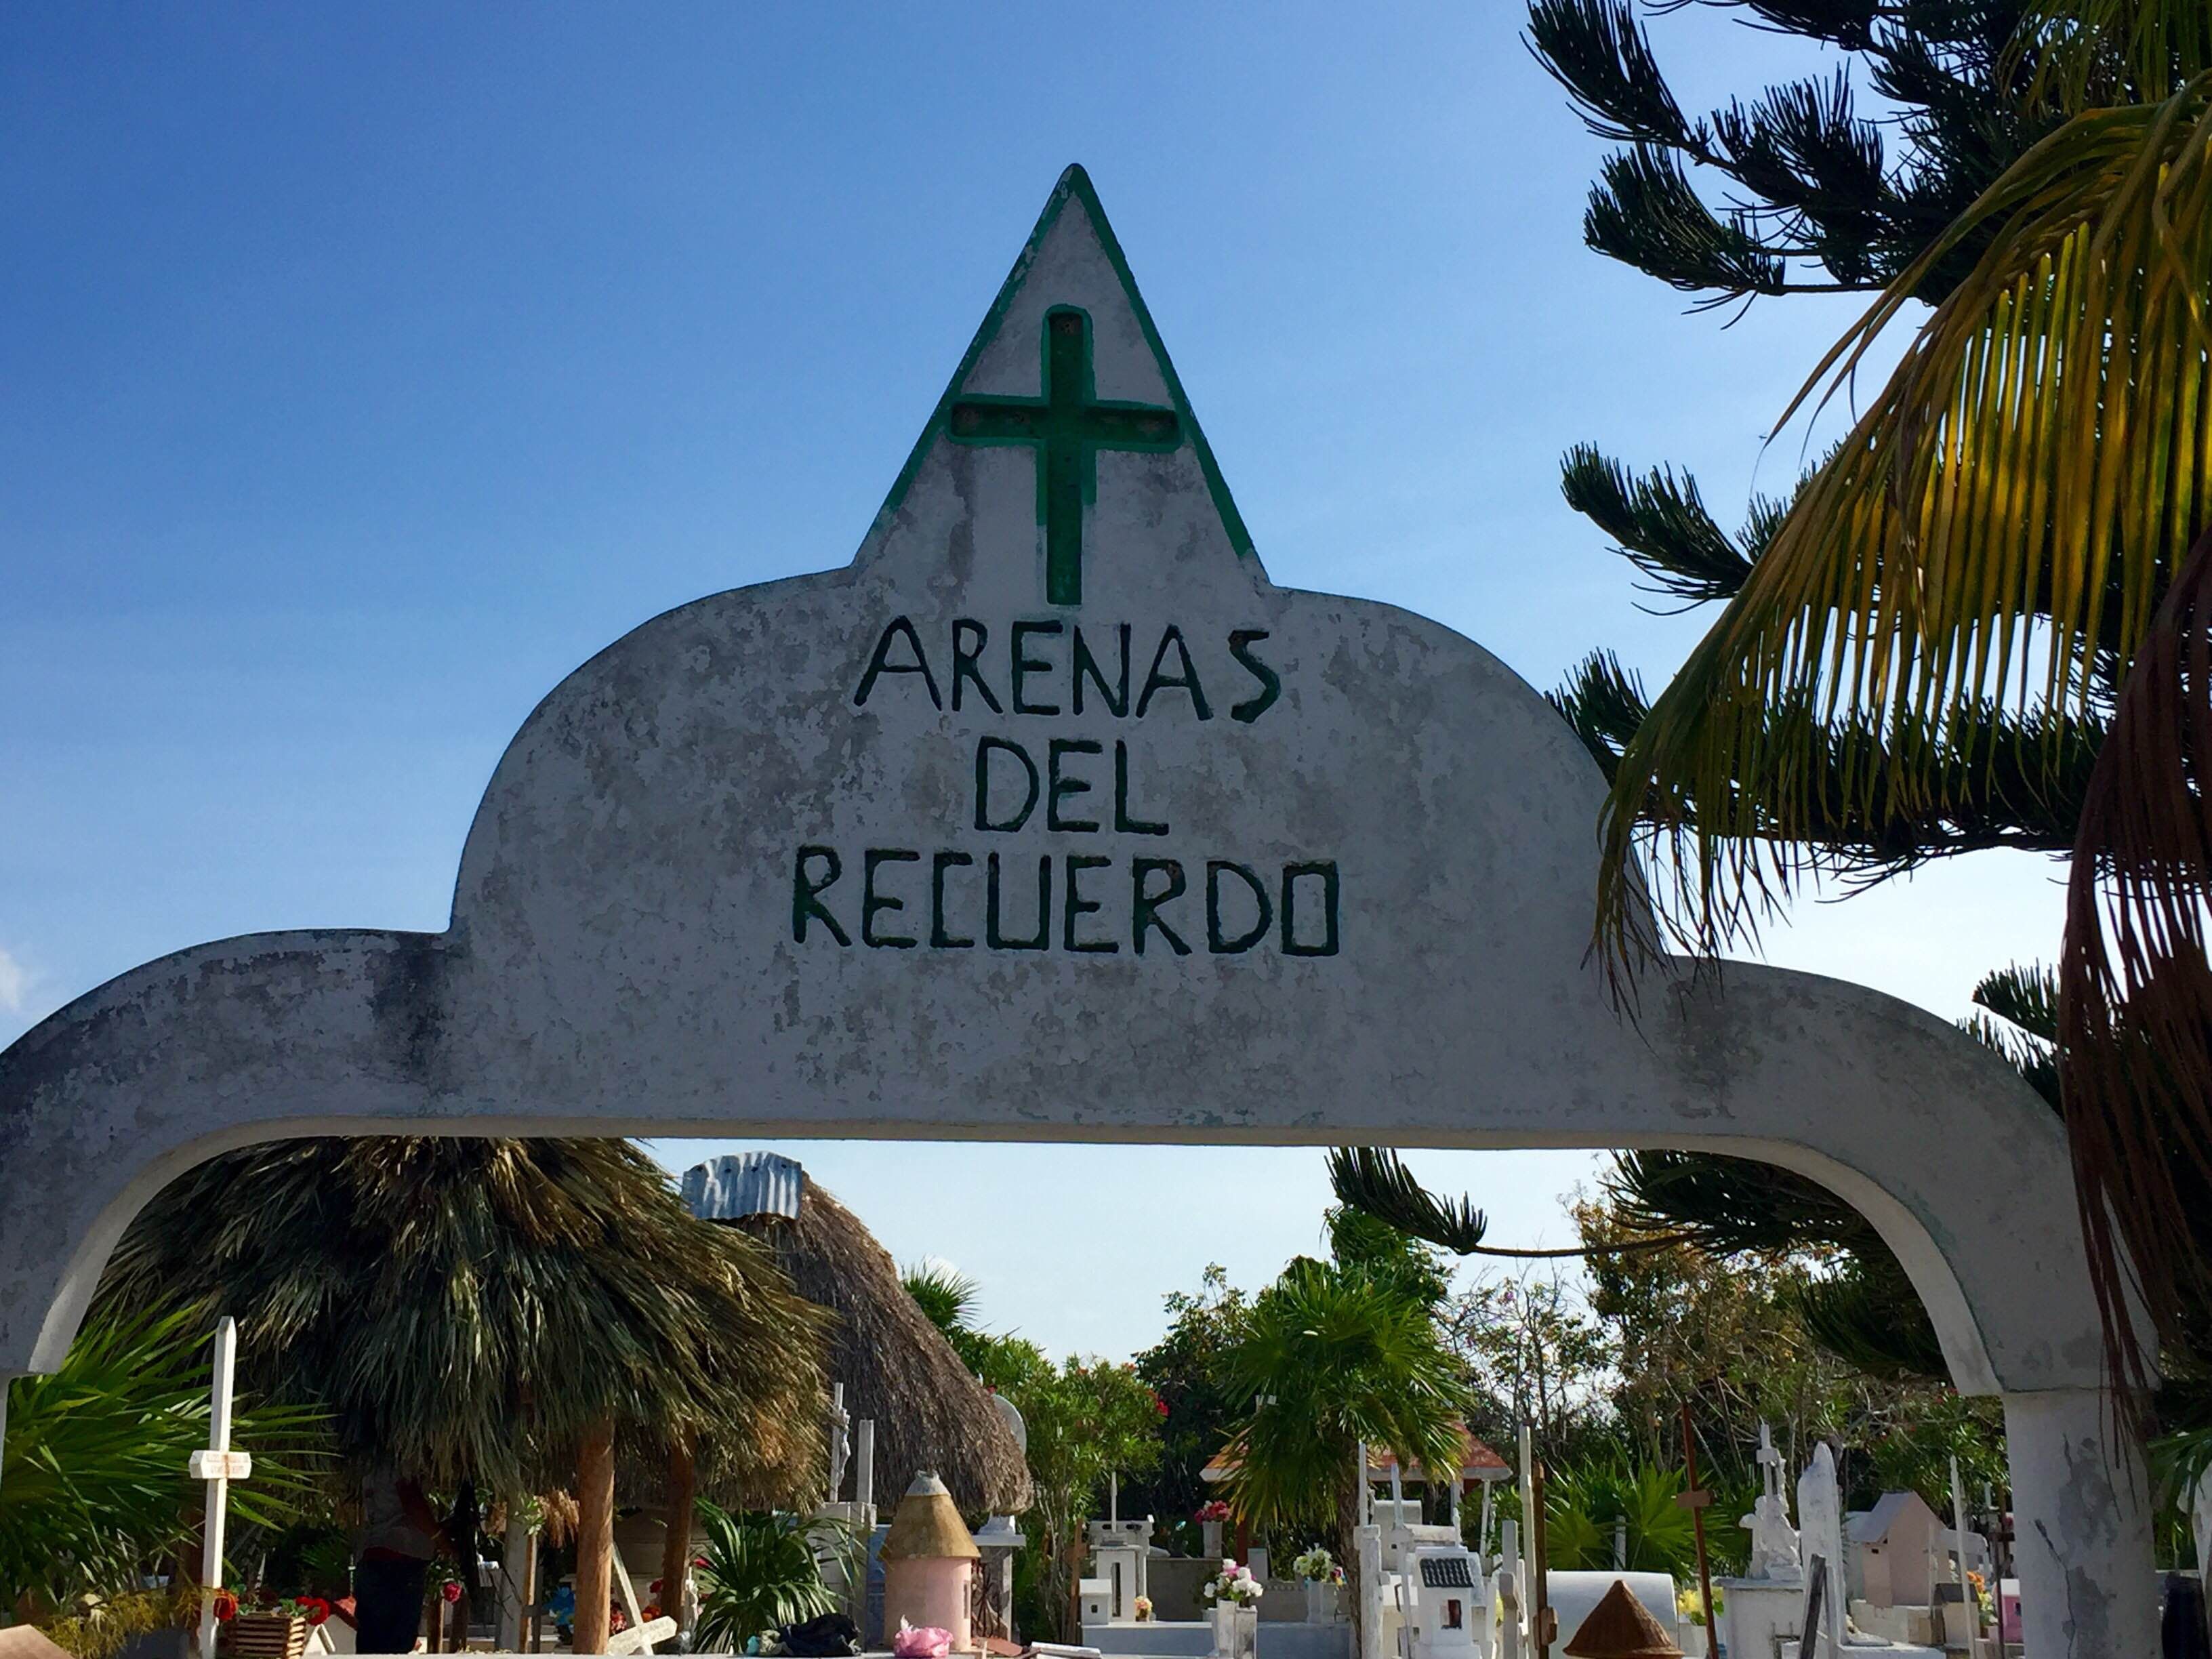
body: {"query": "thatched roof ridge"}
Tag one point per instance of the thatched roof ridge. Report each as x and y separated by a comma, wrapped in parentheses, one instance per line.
(897, 1368)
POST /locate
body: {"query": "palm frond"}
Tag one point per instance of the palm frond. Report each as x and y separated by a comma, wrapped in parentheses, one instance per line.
(1333, 1360)
(2134, 998)
(2092, 52)
(1375, 1181)
(1993, 533)
(93, 1476)
(945, 1295)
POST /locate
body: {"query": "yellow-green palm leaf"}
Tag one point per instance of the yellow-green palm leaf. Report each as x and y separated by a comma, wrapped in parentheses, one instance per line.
(1994, 532)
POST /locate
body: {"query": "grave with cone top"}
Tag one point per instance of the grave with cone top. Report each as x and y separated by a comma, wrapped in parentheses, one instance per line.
(1621, 1627)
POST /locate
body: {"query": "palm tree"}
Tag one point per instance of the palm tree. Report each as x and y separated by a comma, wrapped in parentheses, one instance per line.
(1333, 1358)
(92, 1479)
(495, 1316)
(2005, 559)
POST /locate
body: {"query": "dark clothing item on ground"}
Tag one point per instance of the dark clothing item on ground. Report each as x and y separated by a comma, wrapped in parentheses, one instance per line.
(832, 1634)
(388, 1594)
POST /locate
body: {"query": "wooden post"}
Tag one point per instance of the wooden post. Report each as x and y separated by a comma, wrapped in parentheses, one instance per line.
(676, 1534)
(1542, 1621)
(1698, 1501)
(595, 1537)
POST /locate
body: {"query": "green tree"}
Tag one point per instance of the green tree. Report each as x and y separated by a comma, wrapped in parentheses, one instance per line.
(1331, 1357)
(1978, 620)
(1187, 1369)
(470, 1310)
(1086, 1420)
(497, 1315)
(1535, 1356)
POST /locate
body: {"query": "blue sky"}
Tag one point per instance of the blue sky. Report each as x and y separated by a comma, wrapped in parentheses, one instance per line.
(367, 369)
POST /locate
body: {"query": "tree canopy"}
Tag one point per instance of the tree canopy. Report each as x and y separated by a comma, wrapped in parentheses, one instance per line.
(468, 1309)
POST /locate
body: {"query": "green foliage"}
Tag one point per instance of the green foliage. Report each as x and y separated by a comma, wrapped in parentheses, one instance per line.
(1365, 1244)
(1581, 1502)
(1086, 1420)
(1187, 1368)
(1335, 1356)
(1533, 1356)
(92, 1480)
(1374, 1181)
(945, 1295)
(1814, 195)
(763, 1572)
(2018, 1017)
(100, 1626)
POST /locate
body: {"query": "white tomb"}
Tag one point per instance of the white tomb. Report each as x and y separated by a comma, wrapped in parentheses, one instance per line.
(1119, 1552)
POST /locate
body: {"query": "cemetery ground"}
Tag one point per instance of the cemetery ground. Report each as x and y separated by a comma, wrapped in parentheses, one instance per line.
(495, 1320)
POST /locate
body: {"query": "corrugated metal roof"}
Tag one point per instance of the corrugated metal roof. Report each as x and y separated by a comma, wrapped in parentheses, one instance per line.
(739, 1184)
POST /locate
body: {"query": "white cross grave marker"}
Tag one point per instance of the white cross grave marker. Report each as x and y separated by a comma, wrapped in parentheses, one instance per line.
(218, 1465)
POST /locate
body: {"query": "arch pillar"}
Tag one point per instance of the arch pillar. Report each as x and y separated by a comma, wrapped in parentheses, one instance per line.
(2083, 1547)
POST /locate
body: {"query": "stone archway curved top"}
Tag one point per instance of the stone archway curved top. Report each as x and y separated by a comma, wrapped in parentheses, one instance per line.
(1047, 818)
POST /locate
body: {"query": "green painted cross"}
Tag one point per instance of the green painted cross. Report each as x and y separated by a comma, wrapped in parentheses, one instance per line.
(1067, 426)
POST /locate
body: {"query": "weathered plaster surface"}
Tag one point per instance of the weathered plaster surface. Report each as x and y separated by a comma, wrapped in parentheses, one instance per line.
(622, 958)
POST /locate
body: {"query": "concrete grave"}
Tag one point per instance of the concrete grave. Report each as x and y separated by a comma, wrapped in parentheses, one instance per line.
(1051, 817)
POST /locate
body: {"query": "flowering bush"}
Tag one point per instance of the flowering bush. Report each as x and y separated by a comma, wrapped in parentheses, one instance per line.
(1143, 1609)
(1217, 1511)
(1235, 1585)
(1317, 1566)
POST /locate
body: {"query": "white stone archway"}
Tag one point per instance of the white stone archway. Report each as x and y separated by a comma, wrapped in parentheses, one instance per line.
(1050, 818)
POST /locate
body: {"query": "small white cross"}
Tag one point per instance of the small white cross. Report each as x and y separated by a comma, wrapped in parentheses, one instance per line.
(218, 1465)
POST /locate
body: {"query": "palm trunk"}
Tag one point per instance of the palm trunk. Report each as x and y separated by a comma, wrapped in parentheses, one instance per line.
(1347, 1527)
(676, 1531)
(595, 1536)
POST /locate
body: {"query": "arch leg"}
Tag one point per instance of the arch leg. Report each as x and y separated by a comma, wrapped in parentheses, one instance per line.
(2088, 1582)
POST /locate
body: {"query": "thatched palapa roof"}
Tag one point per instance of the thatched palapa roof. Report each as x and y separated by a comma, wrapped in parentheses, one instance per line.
(931, 1414)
